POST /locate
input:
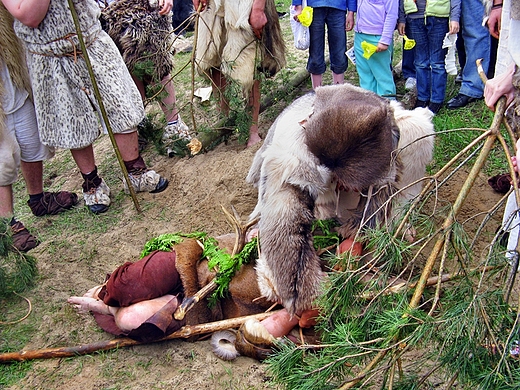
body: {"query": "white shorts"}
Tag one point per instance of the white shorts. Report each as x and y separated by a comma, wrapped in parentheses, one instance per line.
(21, 142)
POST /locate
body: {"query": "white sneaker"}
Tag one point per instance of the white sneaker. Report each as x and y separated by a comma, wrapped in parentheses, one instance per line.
(98, 199)
(411, 83)
(175, 131)
(149, 181)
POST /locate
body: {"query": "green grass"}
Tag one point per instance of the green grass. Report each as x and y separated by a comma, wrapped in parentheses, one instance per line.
(455, 129)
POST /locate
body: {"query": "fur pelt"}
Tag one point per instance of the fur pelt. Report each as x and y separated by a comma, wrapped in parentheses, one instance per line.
(342, 137)
(141, 34)
(243, 296)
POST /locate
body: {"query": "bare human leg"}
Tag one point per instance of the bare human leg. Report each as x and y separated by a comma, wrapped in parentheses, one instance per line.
(254, 102)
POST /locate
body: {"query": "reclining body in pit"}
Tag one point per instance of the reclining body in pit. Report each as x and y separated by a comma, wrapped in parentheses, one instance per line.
(340, 153)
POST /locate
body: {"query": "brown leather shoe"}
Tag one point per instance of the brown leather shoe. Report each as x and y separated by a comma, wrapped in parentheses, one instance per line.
(22, 239)
(52, 203)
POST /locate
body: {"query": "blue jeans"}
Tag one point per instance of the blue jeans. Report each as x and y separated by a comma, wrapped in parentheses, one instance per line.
(429, 57)
(408, 57)
(335, 20)
(477, 45)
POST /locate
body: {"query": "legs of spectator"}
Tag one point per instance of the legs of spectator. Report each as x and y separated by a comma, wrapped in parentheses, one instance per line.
(375, 73)
(436, 30)
(254, 103)
(316, 62)
(477, 45)
(317, 80)
(408, 67)
(337, 40)
(338, 78)
(366, 78)
(422, 61)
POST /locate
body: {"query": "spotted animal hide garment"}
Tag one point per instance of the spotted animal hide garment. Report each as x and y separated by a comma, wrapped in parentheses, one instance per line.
(66, 107)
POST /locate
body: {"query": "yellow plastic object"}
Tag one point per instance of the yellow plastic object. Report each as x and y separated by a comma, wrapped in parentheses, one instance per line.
(409, 44)
(368, 49)
(305, 18)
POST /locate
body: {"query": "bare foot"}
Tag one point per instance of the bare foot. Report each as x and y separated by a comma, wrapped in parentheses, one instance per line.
(87, 304)
(254, 138)
(280, 323)
(93, 292)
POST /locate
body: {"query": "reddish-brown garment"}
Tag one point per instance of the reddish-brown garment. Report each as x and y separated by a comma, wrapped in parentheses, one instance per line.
(151, 277)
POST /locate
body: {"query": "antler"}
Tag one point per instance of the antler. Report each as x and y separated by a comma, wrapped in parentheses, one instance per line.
(240, 240)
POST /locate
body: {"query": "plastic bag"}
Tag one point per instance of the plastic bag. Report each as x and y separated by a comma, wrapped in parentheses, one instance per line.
(449, 61)
(302, 38)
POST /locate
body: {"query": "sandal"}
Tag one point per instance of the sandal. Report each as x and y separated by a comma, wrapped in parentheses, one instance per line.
(22, 239)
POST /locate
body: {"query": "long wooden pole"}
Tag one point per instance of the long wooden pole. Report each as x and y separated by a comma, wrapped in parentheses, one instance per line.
(85, 349)
(101, 105)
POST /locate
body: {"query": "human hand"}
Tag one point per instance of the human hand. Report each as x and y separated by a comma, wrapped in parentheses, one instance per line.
(257, 20)
(381, 47)
(349, 23)
(501, 85)
(454, 27)
(516, 158)
(494, 23)
(297, 12)
(200, 3)
(165, 6)
(400, 28)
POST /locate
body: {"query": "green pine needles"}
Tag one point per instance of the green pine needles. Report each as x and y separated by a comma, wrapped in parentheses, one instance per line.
(18, 270)
(461, 332)
(223, 263)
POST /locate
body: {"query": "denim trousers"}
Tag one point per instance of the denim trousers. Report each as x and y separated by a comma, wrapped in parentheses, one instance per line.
(477, 43)
(431, 73)
(335, 20)
(408, 67)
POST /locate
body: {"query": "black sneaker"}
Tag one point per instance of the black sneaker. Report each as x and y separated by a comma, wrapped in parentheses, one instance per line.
(420, 104)
(434, 107)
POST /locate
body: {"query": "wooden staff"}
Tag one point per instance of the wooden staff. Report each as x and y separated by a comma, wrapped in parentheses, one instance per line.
(184, 332)
(102, 106)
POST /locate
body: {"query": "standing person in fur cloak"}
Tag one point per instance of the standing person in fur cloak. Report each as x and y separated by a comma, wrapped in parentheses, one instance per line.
(143, 33)
(20, 144)
(332, 154)
(235, 40)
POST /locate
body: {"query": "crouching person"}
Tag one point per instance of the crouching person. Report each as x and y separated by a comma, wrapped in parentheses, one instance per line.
(341, 153)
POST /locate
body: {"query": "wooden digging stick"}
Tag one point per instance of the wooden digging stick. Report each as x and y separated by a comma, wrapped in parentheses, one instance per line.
(79, 350)
(102, 106)
(240, 240)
